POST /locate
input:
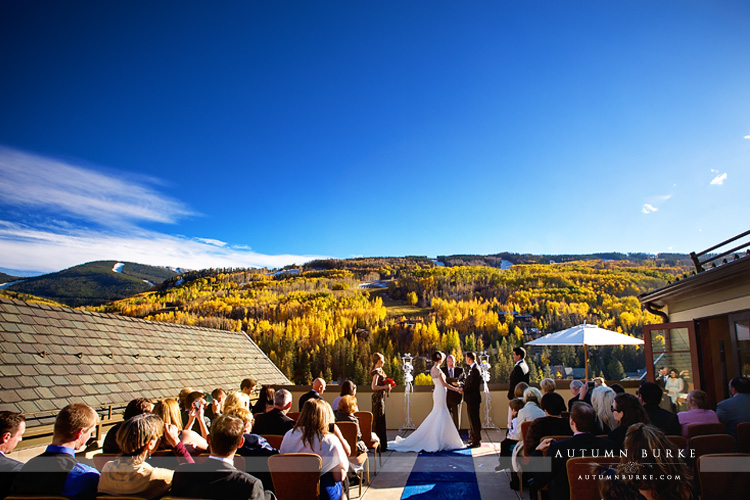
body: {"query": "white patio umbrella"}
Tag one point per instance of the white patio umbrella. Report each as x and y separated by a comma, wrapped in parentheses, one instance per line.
(586, 335)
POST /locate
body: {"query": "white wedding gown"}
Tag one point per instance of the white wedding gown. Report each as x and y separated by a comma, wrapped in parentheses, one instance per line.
(437, 432)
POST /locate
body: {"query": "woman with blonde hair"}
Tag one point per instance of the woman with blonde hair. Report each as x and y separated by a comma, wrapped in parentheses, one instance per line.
(547, 385)
(602, 398)
(169, 411)
(130, 474)
(236, 400)
(379, 389)
(311, 435)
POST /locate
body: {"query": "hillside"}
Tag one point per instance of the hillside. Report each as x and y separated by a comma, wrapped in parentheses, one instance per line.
(5, 278)
(321, 322)
(93, 283)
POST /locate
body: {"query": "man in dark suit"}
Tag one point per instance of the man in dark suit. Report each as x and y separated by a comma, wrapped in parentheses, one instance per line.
(552, 425)
(318, 388)
(217, 478)
(736, 409)
(12, 427)
(583, 444)
(650, 395)
(454, 399)
(663, 376)
(580, 393)
(275, 420)
(520, 371)
(473, 398)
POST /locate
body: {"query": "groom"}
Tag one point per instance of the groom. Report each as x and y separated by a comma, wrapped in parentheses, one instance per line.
(473, 398)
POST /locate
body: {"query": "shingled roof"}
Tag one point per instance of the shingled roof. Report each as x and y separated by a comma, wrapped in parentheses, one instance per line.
(51, 356)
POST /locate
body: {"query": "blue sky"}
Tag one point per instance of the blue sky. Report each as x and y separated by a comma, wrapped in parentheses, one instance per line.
(250, 133)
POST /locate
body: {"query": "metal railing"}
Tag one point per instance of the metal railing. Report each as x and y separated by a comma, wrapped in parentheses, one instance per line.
(696, 257)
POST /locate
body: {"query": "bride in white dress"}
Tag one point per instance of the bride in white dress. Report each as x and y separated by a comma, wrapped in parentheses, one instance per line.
(437, 432)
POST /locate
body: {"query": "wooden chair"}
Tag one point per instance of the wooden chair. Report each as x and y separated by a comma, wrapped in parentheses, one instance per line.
(520, 449)
(712, 444)
(294, 415)
(100, 459)
(582, 466)
(369, 437)
(743, 437)
(679, 442)
(719, 482)
(296, 476)
(273, 439)
(704, 429)
(357, 461)
(560, 437)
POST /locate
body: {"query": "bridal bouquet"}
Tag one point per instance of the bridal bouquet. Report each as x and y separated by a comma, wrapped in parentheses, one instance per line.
(391, 382)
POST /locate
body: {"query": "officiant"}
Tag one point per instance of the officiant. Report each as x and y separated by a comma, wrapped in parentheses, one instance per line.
(453, 376)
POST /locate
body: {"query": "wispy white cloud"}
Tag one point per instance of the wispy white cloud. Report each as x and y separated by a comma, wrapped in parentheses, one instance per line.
(37, 182)
(648, 208)
(747, 136)
(654, 202)
(97, 218)
(719, 179)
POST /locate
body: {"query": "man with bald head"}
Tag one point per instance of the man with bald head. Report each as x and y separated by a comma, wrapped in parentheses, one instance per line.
(318, 388)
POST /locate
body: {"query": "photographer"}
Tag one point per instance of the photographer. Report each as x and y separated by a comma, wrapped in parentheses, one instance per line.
(196, 403)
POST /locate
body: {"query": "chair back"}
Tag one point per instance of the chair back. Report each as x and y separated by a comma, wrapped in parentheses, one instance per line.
(724, 475)
(743, 437)
(554, 438)
(678, 442)
(524, 431)
(582, 466)
(349, 431)
(295, 476)
(100, 459)
(294, 415)
(365, 426)
(274, 440)
(711, 444)
(705, 429)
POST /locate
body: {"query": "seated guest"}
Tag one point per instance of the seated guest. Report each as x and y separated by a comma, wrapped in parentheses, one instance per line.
(217, 478)
(532, 400)
(650, 395)
(599, 382)
(265, 400)
(255, 448)
(254, 445)
(275, 421)
(601, 400)
(345, 413)
(626, 410)
(583, 443)
(736, 409)
(135, 407)
(580, 393)
(216, 408)
(697, 411)
(675, 386)
(12, 427)
(318, 388)
(547, 385)
(550, 425)
(237, 400)
(649, 460)
(310, 435)
(348, 388)
(617, 388)
(517, 394)
(138, 437)
(184, 410)
(247, 386)
(169, 411)
(196, 404)
(56, 471)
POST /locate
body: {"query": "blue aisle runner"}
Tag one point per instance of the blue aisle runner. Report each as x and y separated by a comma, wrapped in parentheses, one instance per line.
(446, 474)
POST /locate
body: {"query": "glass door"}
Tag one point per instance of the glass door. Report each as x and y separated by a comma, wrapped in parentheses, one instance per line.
(739, 326)
(672, 359)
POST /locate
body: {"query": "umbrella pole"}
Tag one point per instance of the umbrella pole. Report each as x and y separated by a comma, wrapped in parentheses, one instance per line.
(586, 360)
